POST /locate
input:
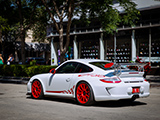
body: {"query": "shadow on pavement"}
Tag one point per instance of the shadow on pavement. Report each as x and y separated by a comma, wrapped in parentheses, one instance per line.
(56, 99)
(120, 103)
(112, 104)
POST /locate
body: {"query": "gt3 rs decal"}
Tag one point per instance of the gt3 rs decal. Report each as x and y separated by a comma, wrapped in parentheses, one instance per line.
(70, 91)
(91, 75)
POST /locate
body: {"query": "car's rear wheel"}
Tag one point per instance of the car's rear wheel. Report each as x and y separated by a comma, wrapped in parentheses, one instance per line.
(37, 89)
(84, 94)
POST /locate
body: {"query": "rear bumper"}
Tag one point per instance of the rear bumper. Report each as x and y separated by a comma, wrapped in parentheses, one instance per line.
(121, 91)
(120, 97)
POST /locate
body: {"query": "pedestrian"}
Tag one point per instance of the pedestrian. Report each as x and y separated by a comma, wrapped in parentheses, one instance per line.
(1, 60)
(10, 59)
(66, 55)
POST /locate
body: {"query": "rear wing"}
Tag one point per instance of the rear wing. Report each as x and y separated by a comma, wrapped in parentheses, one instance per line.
(129, 68)
(140, 66)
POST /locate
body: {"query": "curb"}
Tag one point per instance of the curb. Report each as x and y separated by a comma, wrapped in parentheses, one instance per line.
(16, 80)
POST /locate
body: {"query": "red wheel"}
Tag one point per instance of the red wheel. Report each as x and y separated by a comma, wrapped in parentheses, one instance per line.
(84, 94)
(37, 90)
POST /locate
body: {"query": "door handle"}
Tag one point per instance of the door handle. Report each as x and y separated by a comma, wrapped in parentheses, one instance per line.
(68, 79)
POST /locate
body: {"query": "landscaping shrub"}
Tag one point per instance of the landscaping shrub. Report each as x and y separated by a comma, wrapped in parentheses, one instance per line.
(38, 69)
(7, 70)
(24, 70)
(1, 69)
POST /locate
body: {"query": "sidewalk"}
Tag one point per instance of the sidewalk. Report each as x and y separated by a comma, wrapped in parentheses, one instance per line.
(153, 80)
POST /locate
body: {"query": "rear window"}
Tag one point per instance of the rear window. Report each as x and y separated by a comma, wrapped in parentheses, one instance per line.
(83, 68)
(102, 65)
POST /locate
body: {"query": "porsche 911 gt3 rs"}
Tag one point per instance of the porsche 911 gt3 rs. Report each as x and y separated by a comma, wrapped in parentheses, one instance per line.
(89, 80)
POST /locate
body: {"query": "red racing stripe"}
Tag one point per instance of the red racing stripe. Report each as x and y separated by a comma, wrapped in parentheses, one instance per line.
(55, 91)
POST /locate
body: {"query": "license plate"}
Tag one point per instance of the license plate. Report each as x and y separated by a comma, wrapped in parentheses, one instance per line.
(135, 90)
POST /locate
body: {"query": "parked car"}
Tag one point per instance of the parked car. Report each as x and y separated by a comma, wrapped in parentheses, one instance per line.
(89, 80)
(38, 60)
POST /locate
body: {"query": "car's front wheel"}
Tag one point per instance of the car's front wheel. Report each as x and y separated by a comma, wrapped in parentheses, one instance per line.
(37, 89)
(84, 94)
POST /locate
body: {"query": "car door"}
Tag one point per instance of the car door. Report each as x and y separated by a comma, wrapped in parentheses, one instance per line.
(61, 80)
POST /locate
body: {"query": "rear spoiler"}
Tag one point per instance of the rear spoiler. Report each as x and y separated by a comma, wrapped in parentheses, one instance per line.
(125, 66)
(139, 65)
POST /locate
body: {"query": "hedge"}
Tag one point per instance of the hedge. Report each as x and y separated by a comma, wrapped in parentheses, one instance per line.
(24, 70)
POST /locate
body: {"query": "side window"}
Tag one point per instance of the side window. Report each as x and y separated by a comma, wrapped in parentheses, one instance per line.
(67, 68)
(83, 68)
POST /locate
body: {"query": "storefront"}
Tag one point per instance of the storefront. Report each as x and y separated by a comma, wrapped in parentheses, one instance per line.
(129, 44)
(88, 46)
(142, 40)
(148, 45)
(123, 47)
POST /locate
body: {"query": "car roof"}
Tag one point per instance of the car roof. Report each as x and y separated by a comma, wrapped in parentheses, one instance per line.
(87, 61)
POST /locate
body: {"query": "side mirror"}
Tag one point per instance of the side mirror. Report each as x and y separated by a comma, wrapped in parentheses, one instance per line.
(53, 71)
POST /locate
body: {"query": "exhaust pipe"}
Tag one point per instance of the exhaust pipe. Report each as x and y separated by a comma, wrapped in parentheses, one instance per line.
(135, 97)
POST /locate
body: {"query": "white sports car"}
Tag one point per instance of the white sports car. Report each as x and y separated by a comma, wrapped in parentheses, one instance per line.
(89, 80)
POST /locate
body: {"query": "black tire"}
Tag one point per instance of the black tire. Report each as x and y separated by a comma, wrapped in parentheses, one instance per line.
(84, 94)
(37, 90)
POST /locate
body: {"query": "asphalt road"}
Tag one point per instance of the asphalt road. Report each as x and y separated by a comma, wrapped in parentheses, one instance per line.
(15, 105)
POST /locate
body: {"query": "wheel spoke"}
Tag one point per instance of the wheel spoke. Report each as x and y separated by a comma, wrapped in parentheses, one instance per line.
(79, 89)
(87, 95)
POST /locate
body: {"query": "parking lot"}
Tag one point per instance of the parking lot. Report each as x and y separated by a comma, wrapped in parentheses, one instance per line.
(15, 105)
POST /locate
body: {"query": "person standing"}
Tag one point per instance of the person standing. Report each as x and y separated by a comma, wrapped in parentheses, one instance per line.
(10, 59)
(1, 60)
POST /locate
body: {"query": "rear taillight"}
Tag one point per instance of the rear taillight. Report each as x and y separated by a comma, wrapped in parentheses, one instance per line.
(111, 80)
(145, 80)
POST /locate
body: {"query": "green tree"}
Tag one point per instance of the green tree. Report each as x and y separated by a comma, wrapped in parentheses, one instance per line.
(27, 13)
(6, 21)
(3, 24)
(105, 10)
(20, 16)
(3, 28)
(39, 28)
